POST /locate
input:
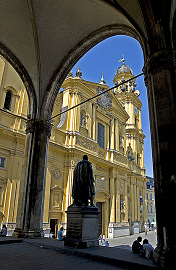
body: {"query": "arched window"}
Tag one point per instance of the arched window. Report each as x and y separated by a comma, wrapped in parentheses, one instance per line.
(8, 99)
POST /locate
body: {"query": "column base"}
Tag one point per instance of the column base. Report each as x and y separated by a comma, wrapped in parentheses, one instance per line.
(19, 233)
(165, 258)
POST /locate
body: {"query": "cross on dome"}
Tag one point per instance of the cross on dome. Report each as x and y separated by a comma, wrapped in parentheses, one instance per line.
(123, 59)
(102, 81)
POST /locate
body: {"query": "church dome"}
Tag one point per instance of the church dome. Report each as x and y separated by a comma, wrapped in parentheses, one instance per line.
(124, 68)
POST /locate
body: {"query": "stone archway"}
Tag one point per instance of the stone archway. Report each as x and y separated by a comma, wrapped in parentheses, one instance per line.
(76, 53)
(22, 72)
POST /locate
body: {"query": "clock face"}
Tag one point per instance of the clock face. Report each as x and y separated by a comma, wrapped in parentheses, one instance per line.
(135, 110)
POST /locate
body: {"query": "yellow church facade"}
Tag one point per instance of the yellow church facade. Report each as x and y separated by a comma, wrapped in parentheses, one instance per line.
(107, 128)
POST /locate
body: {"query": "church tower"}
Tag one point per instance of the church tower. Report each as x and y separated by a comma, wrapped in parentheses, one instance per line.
(129, 98)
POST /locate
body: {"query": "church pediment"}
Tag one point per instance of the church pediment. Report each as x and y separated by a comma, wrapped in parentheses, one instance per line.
(57, 188)
(102, 193)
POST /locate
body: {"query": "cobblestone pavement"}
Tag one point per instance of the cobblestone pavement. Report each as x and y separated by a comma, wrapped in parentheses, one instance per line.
(25, 256)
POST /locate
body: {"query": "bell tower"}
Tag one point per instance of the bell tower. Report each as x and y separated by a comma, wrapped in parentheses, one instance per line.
(129, 98)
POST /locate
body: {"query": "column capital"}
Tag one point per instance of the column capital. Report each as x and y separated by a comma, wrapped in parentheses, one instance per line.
(159, 61)
(41, 126)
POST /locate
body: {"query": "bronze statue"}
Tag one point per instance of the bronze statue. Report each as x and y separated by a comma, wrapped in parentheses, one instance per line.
(83, 183)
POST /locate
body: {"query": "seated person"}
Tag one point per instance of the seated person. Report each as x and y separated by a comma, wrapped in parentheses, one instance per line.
(147, 250)
(106, 244)
(3, 231)
(60, 234)
(136, 246)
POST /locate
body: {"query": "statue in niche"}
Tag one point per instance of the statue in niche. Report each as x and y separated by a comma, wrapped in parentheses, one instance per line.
(56, 200)
(83, 190)
(83, 120)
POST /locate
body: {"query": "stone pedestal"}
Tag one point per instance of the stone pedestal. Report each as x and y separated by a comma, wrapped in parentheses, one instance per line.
(118, 229)
(82, 227)
(135, 227)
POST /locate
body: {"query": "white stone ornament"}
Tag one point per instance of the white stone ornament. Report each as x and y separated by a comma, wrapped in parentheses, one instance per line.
(105, 99)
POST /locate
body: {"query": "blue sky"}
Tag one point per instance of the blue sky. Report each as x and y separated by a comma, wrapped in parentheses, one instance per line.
(104, 57)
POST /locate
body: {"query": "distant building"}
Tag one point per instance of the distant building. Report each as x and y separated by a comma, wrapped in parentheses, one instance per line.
(150, 197)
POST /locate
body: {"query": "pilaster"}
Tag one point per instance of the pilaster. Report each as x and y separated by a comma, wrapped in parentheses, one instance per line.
(116, 135)
(112, 199)
(90, 119)
(93, 122)
(132, 202)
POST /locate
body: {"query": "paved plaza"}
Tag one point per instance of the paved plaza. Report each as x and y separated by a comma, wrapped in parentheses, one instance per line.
(49, 253)
(25, 256)
(126, 242)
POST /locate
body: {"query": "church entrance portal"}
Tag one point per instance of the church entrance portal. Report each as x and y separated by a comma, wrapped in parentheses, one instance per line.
(53, 226)
(99, 205)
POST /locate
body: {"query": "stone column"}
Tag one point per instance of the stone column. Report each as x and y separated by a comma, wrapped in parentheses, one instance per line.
(126, 203)
(112, 199)
(32, 187)
(160, 78)
(93, 122)
(138, 203)
(135, 202)
(74, 118)
(71, 119)
(107, 146)
(112, 139)
(67, 137)
(116, 135)
(112, 135)
(90, 119)
(106, 215)
(117, 206)
(132, 202)
(140, 121)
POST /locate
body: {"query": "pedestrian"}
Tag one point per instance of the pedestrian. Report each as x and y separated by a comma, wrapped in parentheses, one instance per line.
(3, 231)
(136, 246)
(147, 250)
(104, 238)
(106, 244)
(60, 234)
(101, 239)
(51, 235)
(145, 231)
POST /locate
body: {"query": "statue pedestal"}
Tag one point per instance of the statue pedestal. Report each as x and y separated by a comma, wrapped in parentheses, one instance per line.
(82, 227)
